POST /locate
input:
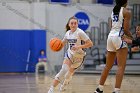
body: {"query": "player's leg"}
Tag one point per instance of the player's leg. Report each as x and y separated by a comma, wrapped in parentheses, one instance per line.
(68, 77)
(110, 57)
(59, 77)
(121, 60)
(74, 66)
(109, 63)
(121, 53)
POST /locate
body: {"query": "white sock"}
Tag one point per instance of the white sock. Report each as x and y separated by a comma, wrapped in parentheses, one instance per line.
(52, 87)
(101, 87)
(117, 89)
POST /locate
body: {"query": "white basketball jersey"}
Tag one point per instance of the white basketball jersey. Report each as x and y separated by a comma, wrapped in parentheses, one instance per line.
(117, 24)
(75, 38)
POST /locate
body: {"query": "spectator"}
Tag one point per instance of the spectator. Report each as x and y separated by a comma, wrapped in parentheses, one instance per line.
(42, 61)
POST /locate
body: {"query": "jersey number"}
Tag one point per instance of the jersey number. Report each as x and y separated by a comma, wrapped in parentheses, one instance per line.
(115, 18)
(71, 45)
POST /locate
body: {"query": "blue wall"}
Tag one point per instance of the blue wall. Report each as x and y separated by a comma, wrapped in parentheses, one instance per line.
(15, 46)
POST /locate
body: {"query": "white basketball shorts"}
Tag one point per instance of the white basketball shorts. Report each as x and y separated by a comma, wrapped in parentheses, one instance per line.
(114, 43)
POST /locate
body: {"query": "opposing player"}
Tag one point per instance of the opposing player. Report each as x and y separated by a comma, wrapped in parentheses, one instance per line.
(74, 56)
(116, 48)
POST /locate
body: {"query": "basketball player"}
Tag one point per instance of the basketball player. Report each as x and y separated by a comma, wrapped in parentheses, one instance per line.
(74, 56)
(116, 48)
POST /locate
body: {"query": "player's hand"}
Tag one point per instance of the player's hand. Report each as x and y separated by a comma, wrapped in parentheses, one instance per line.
(126, 39)
(75, 47)
(135, 49)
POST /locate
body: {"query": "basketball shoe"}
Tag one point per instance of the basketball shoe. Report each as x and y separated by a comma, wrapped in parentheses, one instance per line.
(98, 91)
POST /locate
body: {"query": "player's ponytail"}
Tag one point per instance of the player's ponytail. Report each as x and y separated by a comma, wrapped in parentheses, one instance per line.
(116, 10)
(67, 27)
(119, 4)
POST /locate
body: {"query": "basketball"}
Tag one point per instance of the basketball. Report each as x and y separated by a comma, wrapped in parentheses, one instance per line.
(56, 44)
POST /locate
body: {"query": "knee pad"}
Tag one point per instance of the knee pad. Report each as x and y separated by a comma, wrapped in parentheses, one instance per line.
(62, 72)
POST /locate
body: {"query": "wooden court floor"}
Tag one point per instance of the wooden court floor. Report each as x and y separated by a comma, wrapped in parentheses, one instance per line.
(81, 83)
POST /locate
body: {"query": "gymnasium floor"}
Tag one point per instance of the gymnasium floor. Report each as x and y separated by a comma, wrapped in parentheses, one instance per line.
(81, 83)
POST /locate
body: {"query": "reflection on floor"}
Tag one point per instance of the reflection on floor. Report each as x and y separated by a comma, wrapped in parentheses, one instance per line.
(81, 83)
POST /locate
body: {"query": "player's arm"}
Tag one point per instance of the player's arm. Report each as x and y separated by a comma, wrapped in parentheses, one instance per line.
(126, 26)
(126, 39)
(64, 40)
(88, 43)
